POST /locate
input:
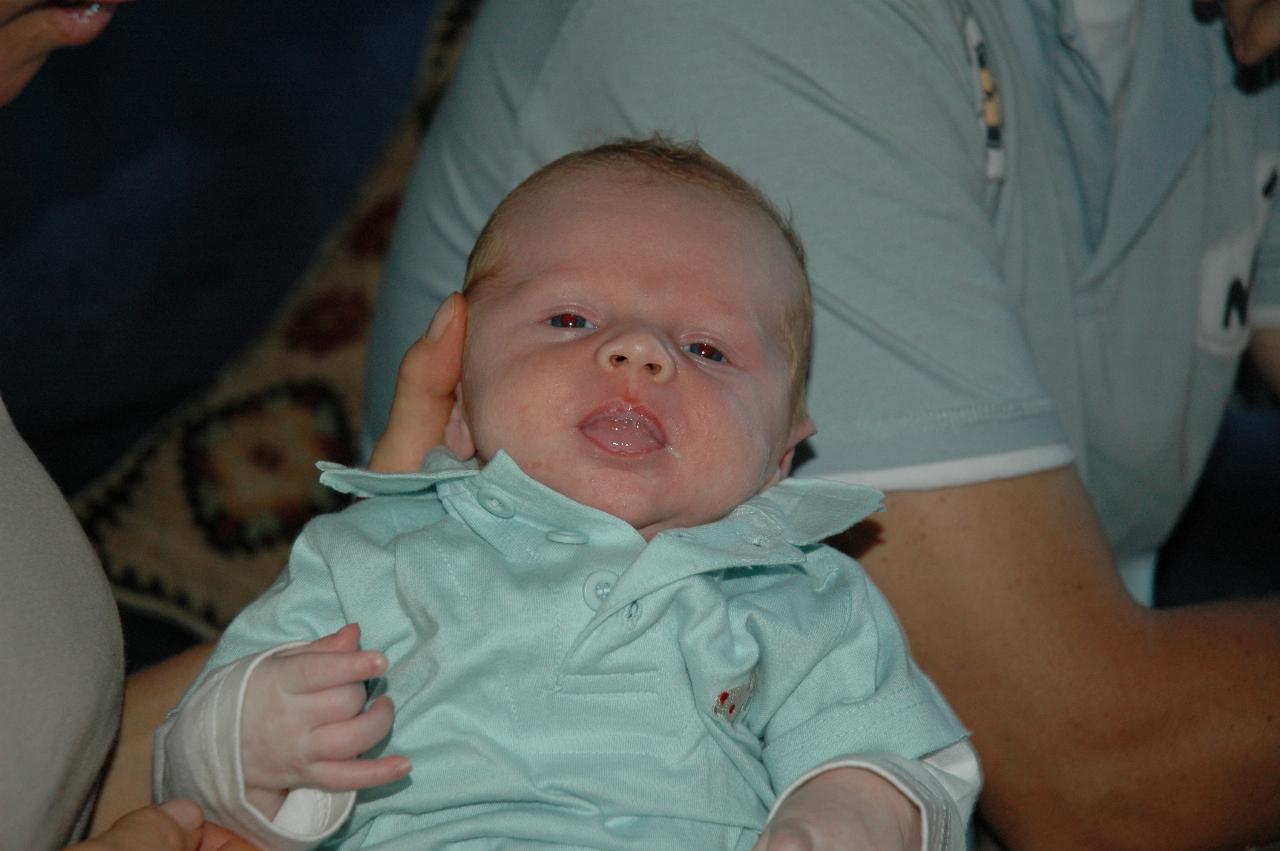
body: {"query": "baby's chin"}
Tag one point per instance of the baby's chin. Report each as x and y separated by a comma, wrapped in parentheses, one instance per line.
(649, 519)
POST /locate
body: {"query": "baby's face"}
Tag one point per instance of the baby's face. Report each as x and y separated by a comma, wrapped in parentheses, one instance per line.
(628, 350)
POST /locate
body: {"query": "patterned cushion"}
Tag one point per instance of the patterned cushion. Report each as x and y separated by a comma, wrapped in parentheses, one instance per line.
(197, 519)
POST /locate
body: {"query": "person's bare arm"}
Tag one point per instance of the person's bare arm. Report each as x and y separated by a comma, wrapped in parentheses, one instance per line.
(1100, 724)
(1264, 349)
(148, 696)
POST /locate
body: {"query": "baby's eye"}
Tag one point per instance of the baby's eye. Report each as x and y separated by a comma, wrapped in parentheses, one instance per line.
(704, 350)
(569, 320)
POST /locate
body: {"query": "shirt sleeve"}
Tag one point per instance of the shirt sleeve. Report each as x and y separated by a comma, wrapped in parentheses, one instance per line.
(197, 749)
(857, 118)
(847, 691)
(943, 785)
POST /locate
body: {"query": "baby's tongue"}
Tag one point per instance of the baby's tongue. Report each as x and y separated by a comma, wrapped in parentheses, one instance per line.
(625, 431)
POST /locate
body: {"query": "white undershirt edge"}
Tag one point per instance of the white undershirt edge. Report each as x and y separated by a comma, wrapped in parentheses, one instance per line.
(962, 471)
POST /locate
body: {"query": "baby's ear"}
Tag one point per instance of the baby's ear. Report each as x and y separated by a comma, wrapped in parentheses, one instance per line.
(457, 434)
(799, 432)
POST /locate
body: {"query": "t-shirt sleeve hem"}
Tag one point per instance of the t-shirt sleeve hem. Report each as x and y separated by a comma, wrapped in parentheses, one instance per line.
(961, 471)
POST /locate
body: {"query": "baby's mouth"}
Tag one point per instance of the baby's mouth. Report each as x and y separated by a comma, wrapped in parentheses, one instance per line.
(623, 429)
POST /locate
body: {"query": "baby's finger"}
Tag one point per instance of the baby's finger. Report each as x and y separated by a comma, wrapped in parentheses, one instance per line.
(349, 739)
(341, 776)
(309, 673)
(343, 641)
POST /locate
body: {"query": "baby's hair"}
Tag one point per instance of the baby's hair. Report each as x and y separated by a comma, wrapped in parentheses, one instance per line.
(685, 162)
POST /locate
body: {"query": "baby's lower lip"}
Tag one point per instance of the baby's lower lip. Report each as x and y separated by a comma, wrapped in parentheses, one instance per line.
(621, 429)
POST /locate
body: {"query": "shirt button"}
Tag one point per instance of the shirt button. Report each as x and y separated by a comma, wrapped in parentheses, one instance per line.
(496, 503)
(564, 536)
(597, 587)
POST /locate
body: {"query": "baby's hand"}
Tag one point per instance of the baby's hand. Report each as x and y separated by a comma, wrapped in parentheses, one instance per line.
(845, 808)
(303, 726)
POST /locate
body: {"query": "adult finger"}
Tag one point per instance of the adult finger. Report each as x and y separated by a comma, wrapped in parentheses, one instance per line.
(348, 739)
(429, 371)
(171, 826)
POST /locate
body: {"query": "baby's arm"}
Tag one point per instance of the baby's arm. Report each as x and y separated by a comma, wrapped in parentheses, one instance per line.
(271, 753)
(840, 809)
(303, 723)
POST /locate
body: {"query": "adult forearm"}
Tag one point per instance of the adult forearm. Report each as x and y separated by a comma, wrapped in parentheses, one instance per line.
(148, 696)
(1265, 351)
(1100, 724)
(1170, 743)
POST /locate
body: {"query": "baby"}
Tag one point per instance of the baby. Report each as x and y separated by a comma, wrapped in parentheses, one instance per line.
(614, 624)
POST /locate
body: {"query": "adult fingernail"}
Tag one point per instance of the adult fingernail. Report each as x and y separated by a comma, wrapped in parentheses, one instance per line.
(439, 322)
(184, 813)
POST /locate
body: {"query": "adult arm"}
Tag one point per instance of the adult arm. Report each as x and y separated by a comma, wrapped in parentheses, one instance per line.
(148, 696)
(1101, 724)
(1265, 351)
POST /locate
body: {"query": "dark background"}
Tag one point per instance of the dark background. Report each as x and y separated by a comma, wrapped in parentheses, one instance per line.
(162, 188)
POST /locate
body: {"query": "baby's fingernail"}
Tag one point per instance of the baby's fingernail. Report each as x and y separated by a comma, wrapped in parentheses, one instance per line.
(439, 322)
(378, 662)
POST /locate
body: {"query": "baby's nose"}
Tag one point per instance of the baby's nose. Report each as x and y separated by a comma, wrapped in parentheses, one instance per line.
(640, 350)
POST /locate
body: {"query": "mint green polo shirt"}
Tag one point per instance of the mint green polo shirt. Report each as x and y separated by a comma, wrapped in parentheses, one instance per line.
(559, 680)
(1072, 288)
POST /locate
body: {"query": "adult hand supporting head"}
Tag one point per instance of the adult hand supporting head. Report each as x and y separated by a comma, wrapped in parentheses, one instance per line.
(429, 372)
(172, 826)
(1254, 26)
(32, 29)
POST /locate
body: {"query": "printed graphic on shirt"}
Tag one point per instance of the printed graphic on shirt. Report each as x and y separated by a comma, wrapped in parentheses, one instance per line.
(990, 111)
(731, 703)
(1227, 272)
(1266, 178)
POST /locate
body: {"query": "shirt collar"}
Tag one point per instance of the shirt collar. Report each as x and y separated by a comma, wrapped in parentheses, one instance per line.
(519, 515)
